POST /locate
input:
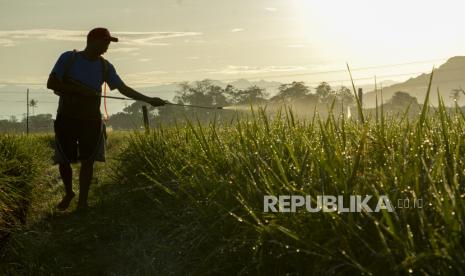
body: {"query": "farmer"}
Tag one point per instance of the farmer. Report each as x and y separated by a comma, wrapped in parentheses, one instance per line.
(77, 78)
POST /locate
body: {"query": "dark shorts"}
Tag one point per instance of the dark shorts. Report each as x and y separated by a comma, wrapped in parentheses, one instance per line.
(78, 139)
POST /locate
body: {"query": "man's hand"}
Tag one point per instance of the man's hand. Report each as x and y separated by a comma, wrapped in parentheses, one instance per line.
(156, 101)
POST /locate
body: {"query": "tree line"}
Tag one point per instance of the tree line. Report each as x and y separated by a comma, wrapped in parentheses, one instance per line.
(204, 93)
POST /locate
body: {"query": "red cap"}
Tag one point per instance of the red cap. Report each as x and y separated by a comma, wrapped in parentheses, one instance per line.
(100, 33)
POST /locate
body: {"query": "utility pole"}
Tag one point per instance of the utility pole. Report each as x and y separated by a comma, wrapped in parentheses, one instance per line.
(27, 112)
(146, 118)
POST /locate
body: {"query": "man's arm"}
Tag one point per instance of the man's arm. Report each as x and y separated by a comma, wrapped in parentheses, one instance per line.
(69, 86)
(133, 94)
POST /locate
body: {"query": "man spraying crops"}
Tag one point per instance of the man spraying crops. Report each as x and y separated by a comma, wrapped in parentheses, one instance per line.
(77, 78)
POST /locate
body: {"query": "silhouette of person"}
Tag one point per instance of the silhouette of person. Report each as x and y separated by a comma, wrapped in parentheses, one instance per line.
(77, 78)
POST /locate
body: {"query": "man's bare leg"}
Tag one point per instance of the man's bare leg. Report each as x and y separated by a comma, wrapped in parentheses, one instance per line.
(66, 173)
(85, 178)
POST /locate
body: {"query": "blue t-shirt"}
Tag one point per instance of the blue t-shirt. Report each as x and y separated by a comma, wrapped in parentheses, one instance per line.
(90, 74)
(87, 72)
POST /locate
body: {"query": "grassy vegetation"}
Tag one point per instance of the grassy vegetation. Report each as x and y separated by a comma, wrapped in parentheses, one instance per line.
(53, 242)
(211, 181)
(190, 200)
(22, 160)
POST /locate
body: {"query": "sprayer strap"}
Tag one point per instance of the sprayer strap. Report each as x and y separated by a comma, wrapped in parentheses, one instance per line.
(104, 69)
(69, 63)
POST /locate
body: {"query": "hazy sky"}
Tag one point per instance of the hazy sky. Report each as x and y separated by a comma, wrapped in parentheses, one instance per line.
(167, 40)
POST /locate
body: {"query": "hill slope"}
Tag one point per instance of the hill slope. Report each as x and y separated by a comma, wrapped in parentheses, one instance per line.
(449, 76)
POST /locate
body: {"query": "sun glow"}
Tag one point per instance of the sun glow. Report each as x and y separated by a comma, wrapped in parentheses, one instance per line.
(385, 31)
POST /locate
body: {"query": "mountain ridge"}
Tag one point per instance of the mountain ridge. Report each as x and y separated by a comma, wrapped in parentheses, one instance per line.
(446, 78)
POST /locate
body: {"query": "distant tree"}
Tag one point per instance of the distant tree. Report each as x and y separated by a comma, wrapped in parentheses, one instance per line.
(311, 98)
(255, 94)
(345, 95)
(323, 90)
(232, 93)
(402, 99)
(40, 123)
(9, 126)
(294, 90)
(33, 103)
(217, 96)
(201, 93)
(252, 94)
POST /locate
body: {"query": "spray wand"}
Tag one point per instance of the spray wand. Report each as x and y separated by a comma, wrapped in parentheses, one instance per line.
(166, 102)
